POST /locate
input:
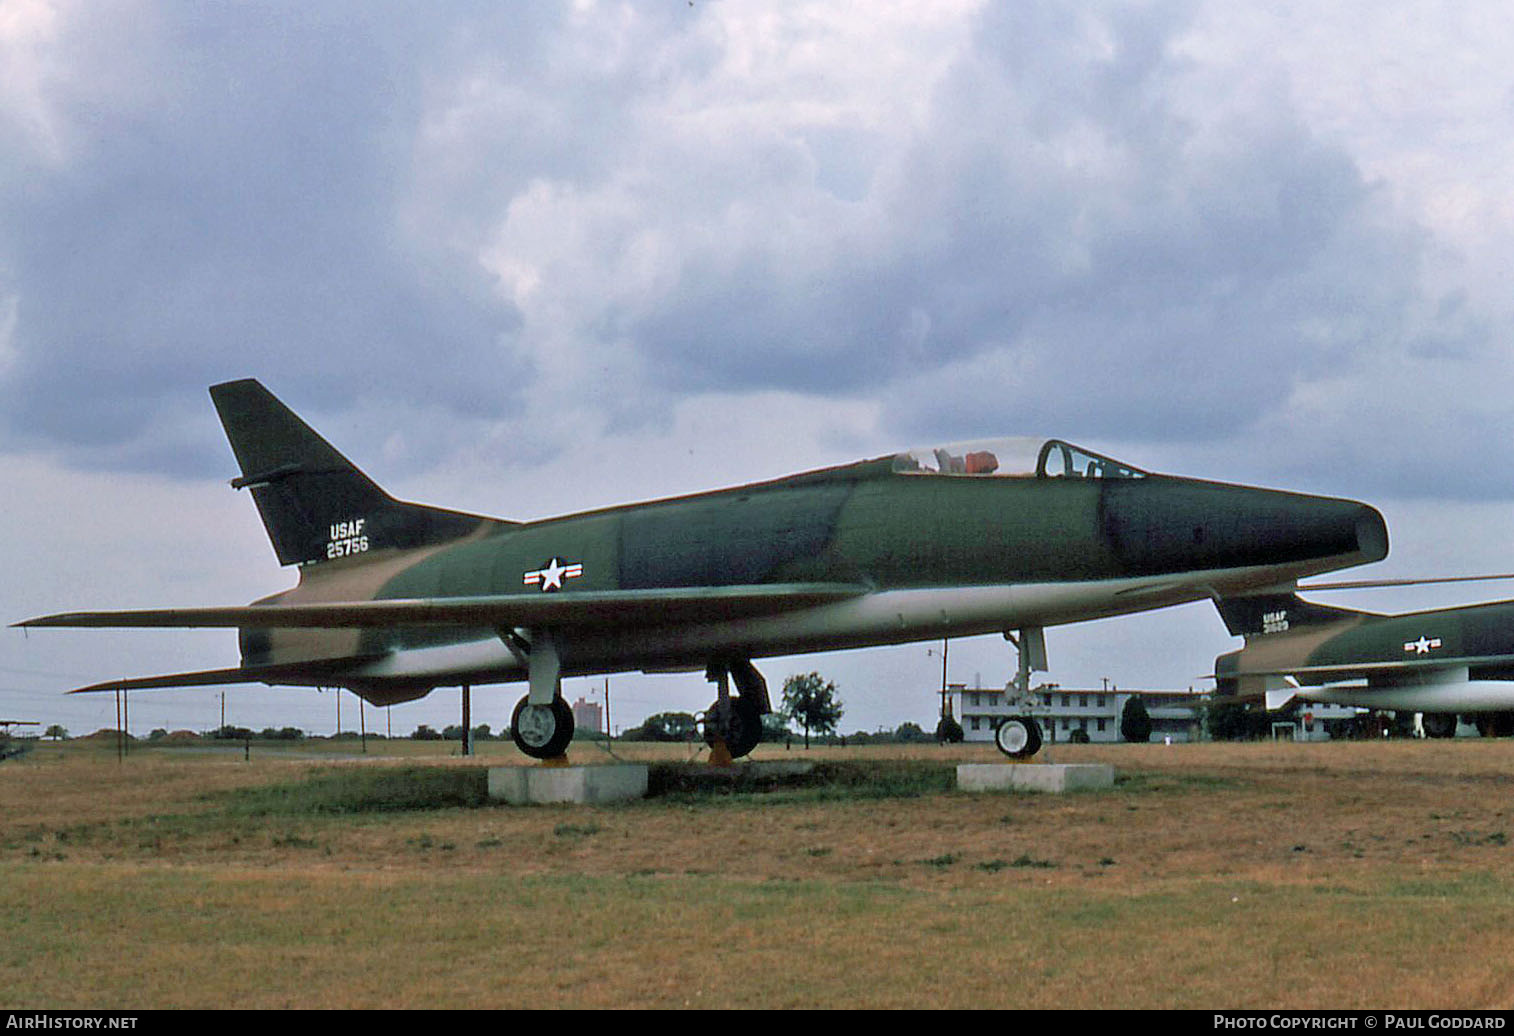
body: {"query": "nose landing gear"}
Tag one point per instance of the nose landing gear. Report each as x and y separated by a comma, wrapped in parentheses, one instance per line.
(1018, 737)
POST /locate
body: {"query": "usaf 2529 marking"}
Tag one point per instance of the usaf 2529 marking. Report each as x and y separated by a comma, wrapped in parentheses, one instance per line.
(395, 599)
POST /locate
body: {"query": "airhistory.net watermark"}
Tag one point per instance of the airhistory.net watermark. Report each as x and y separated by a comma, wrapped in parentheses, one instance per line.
(47, 1021)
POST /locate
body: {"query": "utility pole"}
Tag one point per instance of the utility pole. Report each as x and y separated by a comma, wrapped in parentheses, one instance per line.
(467, 720)
(945, 641)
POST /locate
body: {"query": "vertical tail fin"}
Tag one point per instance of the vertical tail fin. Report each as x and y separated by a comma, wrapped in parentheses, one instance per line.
(1275, 613)
(315, 503)
(1278, 628)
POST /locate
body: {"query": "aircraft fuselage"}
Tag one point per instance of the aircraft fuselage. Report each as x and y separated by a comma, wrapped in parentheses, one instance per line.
(937, 556)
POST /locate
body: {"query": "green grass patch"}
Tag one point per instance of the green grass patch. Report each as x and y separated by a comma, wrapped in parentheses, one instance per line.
(351, 790)
(348, 790)
(826, 780)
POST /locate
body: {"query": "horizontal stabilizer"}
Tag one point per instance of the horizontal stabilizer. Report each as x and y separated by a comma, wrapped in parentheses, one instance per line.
(1279, 698)
(613, 608)
(300, 673)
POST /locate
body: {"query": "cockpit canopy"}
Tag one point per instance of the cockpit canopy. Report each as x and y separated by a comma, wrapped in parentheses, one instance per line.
(1013, 458)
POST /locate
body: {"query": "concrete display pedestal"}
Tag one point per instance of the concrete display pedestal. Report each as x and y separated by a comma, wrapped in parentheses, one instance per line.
(538, 785)
(1052, 777)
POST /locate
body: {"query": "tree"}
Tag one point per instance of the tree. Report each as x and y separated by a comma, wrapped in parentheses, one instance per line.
(811, 701)
(56, 732)
(665, 726)
(910, 734)
(1135, 721)
(775, 727)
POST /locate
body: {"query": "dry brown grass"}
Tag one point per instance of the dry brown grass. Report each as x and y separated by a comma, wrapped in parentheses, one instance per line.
(1339, 875)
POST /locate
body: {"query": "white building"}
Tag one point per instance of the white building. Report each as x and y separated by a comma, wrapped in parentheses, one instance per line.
(1064, 712)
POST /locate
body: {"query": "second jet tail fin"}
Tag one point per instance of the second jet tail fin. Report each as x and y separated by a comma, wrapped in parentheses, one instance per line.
(315, 503)
(1258, 614)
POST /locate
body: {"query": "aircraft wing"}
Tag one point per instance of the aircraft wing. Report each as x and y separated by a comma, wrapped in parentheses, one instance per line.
(603, 609)
(1409, 668)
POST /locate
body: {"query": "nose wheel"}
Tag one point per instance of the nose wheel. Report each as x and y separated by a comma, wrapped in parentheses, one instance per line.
(1018, 737)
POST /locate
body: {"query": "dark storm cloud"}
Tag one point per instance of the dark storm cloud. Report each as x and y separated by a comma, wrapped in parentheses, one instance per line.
(239, 221)
(541, 221)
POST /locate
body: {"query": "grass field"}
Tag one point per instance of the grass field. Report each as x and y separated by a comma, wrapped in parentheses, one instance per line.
(1345, 875)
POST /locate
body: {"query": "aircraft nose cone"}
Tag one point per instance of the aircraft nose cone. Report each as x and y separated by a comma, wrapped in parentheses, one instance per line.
(1177, 525)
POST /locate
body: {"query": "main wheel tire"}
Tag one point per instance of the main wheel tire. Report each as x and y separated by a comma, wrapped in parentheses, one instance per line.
(737, 722)
(1018, 737)
(1438, 724)
(542, 731)
(1495, 724)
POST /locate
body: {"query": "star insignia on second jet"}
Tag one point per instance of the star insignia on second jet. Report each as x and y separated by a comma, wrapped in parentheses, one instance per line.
(552, 575)
(1423, 646)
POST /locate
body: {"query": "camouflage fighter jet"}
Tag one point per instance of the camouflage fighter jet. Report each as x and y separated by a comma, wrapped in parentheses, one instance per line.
(1441, 663)
(395, 599)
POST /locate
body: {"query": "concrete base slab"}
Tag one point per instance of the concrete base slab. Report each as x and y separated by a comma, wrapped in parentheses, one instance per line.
(1052, 777)
(537, 785)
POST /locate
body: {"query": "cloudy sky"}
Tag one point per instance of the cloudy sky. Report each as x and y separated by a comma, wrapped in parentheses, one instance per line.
(531, 258)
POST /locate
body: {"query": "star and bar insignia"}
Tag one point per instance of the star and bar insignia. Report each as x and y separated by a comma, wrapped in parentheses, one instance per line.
(1423, 646)
(552, 575)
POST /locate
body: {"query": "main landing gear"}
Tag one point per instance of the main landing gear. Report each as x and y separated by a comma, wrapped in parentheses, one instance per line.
(733, 725)
(542, 724)
(542, 731)
(1438, 724)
